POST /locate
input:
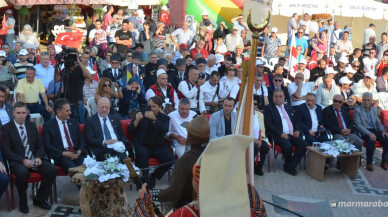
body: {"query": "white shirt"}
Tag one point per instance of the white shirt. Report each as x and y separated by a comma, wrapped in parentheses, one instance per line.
(150, 93)
(209, 70)
(286, 130)
(304, 90)
(324, 96)
(226, 85)
(206, 94)
(183, 37)
(175, 124)
(367, 34)
(335, 35)
(319, 81)
(307, 23)
(190, 91)
(314, 119)
(19, 130)
(360, 88)
(115, 72)
(63, 135)
(110, 127)
(370, 64)
(256, 126)
(259, 92)
(235, 90)
(4, 118)
(306, 74)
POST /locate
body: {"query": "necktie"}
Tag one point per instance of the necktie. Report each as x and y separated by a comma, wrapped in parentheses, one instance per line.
(115, 73)
(106, 131)
(290, 127)
(27, 150)
(339, 119)
(67, 137)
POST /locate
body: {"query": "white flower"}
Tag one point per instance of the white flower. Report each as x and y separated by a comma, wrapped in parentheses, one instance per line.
(89, 162)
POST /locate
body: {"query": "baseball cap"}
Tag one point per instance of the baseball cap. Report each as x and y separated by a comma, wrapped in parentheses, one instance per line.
(349, 69)
(183, 46)
(259, 62)
(204, 13)
(9, 11)
(370, 74)
(23, 52)
(235, 27)
(2, 53)
(372, 24)
(345, 80)
(160, 72)
(330, 70)
(343, 60)
(274, 30)
(303, 61)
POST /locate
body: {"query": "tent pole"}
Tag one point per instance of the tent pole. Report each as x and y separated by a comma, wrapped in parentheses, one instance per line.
(37, 22)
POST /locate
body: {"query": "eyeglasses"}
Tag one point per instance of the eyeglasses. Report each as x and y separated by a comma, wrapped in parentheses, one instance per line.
(231, 69)
(106, 85)
(337, 101)
(5, 47)
(300, 32)
(129, 56)
(298, 78)
(357, 66)
(278, 80)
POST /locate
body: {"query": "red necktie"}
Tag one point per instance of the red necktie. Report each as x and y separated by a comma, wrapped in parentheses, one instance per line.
(339, 119)
(67, 137)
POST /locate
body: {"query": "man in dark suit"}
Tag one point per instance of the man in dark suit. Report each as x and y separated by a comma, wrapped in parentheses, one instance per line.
(278, 84)
(3, 175)
(62, 137)
(23, 149)
(149, 130)
(174, 78)
(5, 108)
(336, 118)
(281, 126)
(369, 125)
(114, 73)
(310, 118)
(103, 129)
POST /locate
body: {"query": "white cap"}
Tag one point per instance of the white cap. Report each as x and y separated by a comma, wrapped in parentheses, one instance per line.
(349, 69)
(259, 62)
(160, 72)
(343, 59)
(330, 70)
(303, 61)
(235, 27)
(9, 11)
(274, 29)
(345, 80)
(370, 74)
(23, 52)
(204, 13)
(2, 53)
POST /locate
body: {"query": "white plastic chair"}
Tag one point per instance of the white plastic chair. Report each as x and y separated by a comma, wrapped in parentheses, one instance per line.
(91, 103)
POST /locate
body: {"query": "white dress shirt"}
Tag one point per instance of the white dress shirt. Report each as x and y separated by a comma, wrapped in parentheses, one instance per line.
(150, 93)
(4, 118)
(304, 90)
(63, 135)
(110, 127)
(19, 130)
(286, 129)
(190, 91)
(209, 70)
(314, 119)
(256, 126)
(259, 92)
(206, 94)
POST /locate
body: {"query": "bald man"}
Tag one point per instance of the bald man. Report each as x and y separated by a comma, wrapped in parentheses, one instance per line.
(182, 36)
(103, 129)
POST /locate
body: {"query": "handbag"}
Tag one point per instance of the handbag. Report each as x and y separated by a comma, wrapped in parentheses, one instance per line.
(215, 108)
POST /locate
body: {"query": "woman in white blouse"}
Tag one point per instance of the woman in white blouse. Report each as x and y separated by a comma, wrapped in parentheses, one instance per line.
(227, 81)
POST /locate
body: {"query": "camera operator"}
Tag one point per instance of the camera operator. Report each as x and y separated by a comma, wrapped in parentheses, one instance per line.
(73, 77)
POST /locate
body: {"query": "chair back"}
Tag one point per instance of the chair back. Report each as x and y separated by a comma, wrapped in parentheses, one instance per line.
(124, 126)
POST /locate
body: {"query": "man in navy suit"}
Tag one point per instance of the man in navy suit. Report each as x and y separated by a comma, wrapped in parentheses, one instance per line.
(23, 149)
(310, 118)
(62, 137)
(149, 129)
(114, 73)
(103, 129)
(281, 126)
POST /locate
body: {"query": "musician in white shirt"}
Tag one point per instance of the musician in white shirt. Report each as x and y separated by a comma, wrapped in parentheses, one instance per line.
(208, 94)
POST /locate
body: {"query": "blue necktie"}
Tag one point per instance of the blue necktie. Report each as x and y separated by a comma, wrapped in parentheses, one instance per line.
(106, 131)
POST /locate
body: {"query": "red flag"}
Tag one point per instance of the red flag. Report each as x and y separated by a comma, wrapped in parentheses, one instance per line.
(293, 61)
(70, 39)
(3, 30)
(165, 17)
(313, 63)
(95, 76)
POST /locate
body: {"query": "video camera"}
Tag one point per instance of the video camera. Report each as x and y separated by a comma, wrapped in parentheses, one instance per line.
(68, 56)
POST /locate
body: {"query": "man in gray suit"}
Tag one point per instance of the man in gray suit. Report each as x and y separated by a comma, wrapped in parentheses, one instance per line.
(369, 125)
(222, 122)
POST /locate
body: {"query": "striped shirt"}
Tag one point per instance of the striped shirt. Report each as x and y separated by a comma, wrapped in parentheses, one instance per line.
(158, 41)
(21, 69)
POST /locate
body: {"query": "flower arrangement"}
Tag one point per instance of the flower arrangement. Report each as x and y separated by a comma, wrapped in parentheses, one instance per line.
(338, 147)
(111, 168)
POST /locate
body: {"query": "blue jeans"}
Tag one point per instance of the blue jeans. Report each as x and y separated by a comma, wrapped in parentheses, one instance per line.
(39, 108)
(80, 114)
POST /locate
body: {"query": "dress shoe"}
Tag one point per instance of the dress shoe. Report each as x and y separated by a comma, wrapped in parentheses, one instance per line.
(259, 171)
(290, 171)
(369, 167)
(384, 165)
(42, 204)
(151, 181)
(23, 208)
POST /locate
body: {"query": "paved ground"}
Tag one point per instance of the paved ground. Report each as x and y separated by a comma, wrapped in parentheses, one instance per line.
(302, 194)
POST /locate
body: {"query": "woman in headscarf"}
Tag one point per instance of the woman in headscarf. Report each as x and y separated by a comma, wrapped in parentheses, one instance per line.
(28, 38)
(133, 99)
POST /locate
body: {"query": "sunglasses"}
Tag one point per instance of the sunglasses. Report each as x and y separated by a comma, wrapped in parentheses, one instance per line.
(298, 78)
(106, 85)
(231, 69)
(357, 66)
(300, 32)
(337, 101)
(278, 80)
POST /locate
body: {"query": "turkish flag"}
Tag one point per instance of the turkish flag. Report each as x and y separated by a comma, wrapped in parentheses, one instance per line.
(3, 30)
(165, 17)
(95, 76)
(313, 63)
(70, 39)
